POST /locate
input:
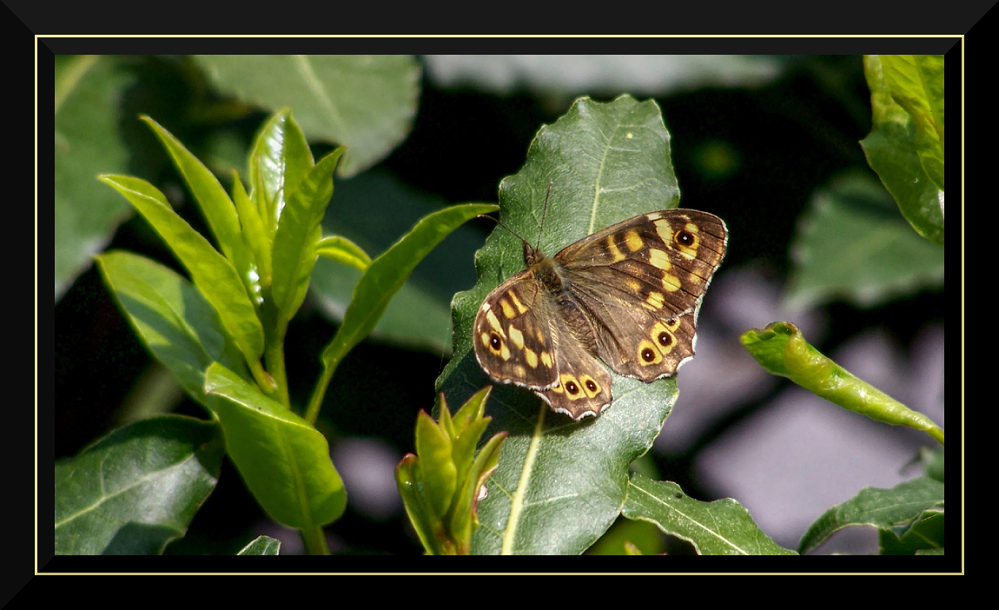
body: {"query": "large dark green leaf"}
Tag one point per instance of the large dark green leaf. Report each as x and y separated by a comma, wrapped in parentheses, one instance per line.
(560, 484)
(137, 488)
(87, 143)
(366, 102)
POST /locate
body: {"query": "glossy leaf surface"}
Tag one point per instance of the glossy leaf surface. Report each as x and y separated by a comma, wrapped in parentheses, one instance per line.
(284, 461)
(137, 488)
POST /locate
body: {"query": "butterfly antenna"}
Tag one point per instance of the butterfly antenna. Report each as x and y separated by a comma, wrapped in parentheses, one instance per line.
(544, 211)
(506, 228)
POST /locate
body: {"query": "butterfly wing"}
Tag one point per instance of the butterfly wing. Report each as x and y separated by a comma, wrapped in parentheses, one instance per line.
(584, 386)
(512, 334)
(521, 338)
(637, 286)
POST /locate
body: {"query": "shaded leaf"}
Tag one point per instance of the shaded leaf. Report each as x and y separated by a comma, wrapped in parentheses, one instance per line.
(87, 142)
(630, 537)
(136, 489)
(366, 102)
(895, 509)
(925, 536)
(172, 318)
(852, 245)
(933, 462)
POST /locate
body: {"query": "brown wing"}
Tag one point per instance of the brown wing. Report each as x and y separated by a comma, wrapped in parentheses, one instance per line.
(522, 339)
(638, 285)
(584, 386)
(512, 335)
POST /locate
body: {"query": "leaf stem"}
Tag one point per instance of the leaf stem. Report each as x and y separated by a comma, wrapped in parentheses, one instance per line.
(315, 541)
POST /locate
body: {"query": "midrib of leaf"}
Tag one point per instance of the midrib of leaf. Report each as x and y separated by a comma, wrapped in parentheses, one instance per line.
(107, 497)
(303, 498)
(316, 85)
(517, 505)
(689, 518)
(596, 186)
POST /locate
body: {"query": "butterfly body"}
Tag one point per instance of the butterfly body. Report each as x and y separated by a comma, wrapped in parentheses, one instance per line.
(628, 295)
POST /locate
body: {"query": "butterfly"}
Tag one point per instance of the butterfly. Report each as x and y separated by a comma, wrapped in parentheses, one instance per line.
(628, 295)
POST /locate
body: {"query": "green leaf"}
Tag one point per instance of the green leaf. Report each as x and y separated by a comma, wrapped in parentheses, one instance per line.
(215, 206)
(782, 350)
(852, 245)
(256, 237)
(261, 545)
(365, 102)
(136, 489)
(893, 150)
(417, 509)
(279, 160)
(172, 318)
(419, 315)
(344, 251)
(87, 142)
(211, 272)
(933, 462)
(388, 273)
(916, 83)
(560, 484)
(298, 233)
(284, 461)
(436, 470)
(722, 527)
(896, 509)
(440, 486)
(925, 535)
